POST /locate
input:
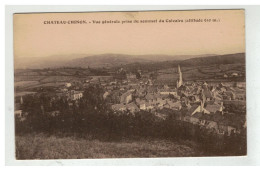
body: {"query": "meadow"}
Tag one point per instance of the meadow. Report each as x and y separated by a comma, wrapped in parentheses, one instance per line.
(209, 73)
(42, 146)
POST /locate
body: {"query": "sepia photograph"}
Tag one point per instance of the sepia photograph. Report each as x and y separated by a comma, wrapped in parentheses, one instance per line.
(139, 84)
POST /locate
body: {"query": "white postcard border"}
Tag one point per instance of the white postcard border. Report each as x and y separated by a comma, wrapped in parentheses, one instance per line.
(252, 77)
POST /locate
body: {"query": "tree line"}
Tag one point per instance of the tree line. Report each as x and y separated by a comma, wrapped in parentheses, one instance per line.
(91, 116)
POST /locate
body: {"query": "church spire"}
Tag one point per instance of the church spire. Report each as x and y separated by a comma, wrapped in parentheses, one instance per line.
(21, 100)
(179, 82)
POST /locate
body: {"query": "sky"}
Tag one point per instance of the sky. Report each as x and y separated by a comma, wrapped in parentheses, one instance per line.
(33, 38)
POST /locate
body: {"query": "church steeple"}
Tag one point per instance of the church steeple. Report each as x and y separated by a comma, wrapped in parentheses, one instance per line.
(21, 100)
(179, 82)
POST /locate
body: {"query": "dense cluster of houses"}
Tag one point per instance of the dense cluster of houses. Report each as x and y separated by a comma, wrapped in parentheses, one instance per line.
(198, 103)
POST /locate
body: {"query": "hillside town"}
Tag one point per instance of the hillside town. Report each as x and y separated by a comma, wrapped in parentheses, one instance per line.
(198, 103)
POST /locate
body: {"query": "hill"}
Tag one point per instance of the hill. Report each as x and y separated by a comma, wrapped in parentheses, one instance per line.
(95, 61)
(105, 60)
(130, 63)
(219, 59)
(197, 62)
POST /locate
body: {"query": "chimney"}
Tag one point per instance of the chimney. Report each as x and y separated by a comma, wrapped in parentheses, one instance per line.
(201, 106)
(42, 108)
(221, 108)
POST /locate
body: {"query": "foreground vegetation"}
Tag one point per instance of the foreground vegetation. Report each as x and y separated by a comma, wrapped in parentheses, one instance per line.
(89, 122)
(42, 146)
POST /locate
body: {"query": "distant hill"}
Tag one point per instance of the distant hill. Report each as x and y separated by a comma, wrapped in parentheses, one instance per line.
(161, 58)
(45, 62)
(95, 61)
(105, 60)
(219, 59)
(113, 60)
(199, 61)
(116, 60)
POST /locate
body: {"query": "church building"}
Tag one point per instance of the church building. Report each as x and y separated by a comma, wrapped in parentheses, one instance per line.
(179, 82)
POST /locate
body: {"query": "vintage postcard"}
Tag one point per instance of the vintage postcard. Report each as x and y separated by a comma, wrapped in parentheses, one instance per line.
(141, 84)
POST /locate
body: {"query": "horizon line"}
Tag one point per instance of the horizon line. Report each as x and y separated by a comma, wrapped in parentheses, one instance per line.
(210, 54)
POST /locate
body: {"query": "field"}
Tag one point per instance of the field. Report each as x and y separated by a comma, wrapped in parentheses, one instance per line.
(18, 94)
(29, 79)
(41, 146)
(210, 73)
(25, 83)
